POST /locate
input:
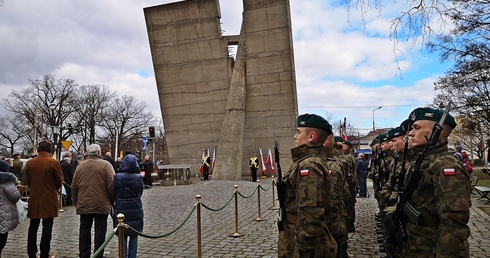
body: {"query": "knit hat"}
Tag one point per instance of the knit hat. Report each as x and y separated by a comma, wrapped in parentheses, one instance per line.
(129, 164)
(4, 166)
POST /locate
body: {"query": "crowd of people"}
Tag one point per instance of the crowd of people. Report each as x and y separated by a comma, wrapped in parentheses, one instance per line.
(97, 187)
(422, 190)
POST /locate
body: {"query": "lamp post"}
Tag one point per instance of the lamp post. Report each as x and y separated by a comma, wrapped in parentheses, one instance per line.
(374, 128)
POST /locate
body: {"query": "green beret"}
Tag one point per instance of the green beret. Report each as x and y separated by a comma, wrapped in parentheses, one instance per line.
(405, 126)
(381, 138)
(393, 133)
(348, 143)
(338, 139)
(313, 121)
(431, 114)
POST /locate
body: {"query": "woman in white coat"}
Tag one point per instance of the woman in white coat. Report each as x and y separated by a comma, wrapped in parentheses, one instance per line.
(9, 195)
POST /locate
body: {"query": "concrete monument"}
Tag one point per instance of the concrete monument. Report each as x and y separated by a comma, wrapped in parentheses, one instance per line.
(210, 100)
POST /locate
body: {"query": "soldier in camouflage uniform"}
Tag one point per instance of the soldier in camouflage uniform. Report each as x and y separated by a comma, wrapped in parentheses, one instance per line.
(307, 195)
(443, 195)
(337, 215)
(350, 201)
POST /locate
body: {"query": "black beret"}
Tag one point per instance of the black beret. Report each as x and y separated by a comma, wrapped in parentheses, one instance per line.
(431, 114)
(313, 121)
(338, 139)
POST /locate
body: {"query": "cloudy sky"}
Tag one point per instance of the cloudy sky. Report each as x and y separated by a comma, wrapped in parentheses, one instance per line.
(344, 67)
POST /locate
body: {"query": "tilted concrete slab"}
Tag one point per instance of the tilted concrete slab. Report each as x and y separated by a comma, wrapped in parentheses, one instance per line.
(208, 99)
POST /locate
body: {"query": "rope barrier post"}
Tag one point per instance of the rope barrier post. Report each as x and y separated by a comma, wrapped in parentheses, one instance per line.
(61, 199)
(273, 195)
(120, 230)
(235, 192)
(259, 218)
(199, 247)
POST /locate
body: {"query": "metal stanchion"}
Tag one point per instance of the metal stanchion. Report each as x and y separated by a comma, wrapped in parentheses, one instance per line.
(259, 218)
(199, 247)
(273, 195)
(235, 192)
(61, 199)
(120, 229)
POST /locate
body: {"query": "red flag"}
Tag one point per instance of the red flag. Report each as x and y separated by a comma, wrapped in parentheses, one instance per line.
(343, 130)
(270, 160)
(264, 168)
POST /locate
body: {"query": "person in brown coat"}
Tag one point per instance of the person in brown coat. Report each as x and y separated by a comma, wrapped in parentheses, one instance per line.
(44, 178)
(93, 196)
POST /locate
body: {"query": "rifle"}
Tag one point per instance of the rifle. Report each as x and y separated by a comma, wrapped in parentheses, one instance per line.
(394, 177)
(380, 172)
(280, 185)
(403, 172)
(395, 222)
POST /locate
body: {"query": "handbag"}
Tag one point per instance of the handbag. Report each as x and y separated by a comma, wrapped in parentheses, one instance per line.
(22, 210)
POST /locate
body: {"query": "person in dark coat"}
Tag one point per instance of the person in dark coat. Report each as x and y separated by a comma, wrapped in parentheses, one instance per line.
(44, 178)
(128, 188)
(108, 157)
(68, 170)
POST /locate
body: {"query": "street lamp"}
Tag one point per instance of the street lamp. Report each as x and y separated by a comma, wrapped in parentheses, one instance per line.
(374, 128)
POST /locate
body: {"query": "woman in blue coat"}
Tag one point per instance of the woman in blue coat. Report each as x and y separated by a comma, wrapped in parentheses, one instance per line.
(128, 188)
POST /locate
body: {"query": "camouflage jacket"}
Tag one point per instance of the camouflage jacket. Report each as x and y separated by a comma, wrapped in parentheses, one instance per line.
(337, 214)
(306, 199)
(443, 199)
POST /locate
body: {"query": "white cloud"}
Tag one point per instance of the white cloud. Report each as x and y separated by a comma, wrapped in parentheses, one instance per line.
(342, 59)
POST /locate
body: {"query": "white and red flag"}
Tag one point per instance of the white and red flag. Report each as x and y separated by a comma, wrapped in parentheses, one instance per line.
(213, 160)
(264, 168)
(270, 160)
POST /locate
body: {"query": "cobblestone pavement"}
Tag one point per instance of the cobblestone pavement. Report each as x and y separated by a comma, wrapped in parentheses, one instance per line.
(166, 207)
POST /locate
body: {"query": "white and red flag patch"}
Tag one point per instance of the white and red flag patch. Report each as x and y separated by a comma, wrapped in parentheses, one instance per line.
(449, 172)
(304, 172)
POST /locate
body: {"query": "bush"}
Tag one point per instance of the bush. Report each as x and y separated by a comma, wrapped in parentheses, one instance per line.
(480, 174)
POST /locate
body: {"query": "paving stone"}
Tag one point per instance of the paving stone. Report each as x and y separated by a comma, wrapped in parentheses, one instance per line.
(166, 207)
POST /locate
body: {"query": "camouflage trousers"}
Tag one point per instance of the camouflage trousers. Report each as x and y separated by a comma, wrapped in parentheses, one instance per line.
(324, 246)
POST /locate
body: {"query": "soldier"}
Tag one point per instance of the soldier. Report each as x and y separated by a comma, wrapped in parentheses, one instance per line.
(442, 196)
(307, 192)
(254, 166)
(205, 164)
(337, 215)
(350, 201)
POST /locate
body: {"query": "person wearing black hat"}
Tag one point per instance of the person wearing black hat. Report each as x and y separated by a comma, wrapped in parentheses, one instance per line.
(442, 196)
(253, 163)
(307, 195)
(205, 164)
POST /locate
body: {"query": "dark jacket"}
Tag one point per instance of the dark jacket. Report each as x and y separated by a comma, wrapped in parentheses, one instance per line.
(128, 188)
(361, 166)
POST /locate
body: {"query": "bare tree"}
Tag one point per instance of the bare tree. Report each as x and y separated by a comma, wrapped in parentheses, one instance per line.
(89, 106)
(129, 119)
(48, 98)
(9, 135)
